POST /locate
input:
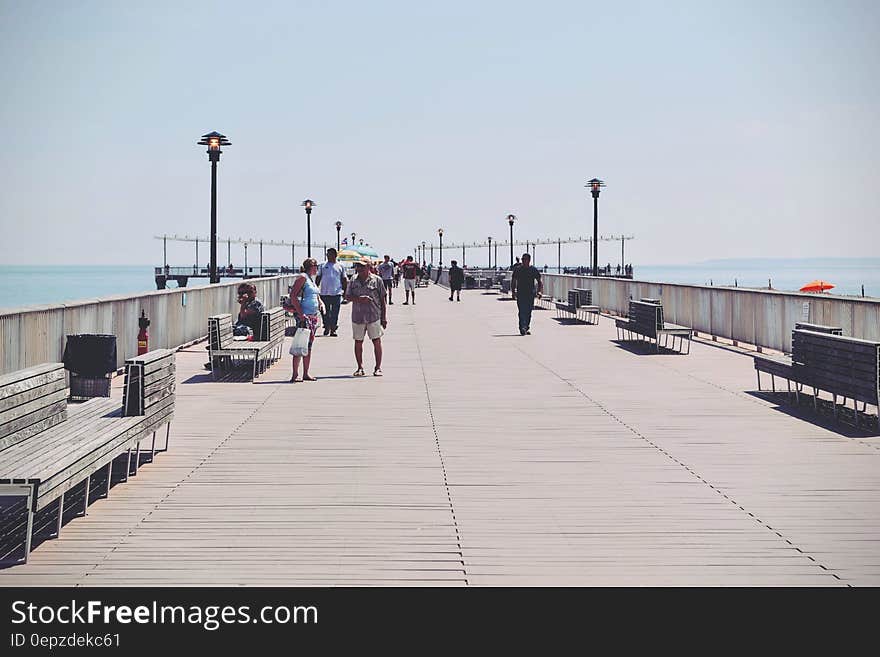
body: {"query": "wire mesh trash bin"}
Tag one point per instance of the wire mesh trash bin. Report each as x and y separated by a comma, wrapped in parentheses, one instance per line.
(91, 361)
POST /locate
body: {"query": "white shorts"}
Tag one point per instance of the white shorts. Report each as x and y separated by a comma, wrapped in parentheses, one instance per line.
(409, 284)
(373, 330)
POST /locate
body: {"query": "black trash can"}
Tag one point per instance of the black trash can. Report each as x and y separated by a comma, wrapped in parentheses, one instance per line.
(91, 361)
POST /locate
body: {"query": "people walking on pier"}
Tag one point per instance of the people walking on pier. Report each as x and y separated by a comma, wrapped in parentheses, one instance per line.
(332, 279)
(522, 287)
(411, 274)
(386, 273)
(366, 292)
(305, 302)
(456, 280)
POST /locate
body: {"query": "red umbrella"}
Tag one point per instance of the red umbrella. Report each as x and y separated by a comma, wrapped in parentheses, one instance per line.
(817, 286)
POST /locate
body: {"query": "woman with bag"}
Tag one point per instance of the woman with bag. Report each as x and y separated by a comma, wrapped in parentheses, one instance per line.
(305, 303)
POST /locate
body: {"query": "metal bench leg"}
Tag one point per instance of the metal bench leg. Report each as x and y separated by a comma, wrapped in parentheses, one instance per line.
(109, 477)
(59, 518)
(153, 448)
(137, 459)
(816, 399)
(127, 465)
(788, 383)
(167, 435)
(773, 383)
(834, 401)
(86, 496)
(758, 373)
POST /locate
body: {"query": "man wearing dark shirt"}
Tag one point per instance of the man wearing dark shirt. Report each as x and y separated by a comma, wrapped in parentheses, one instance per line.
(522, 287)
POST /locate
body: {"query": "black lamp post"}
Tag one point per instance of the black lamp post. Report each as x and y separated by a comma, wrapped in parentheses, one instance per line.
(214, 140)
(510, 219)
(440, 233)
(595, 186)
(423, 252)
(490, 253)
(308, 204)
(338, 228)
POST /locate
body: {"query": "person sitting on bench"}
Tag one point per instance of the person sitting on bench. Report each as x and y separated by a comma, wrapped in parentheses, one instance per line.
(248, 322)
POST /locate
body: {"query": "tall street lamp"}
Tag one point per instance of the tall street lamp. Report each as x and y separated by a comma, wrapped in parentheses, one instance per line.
(338, 228)
(308, 204)
(510, 219)
(214, 140)
(440, 233)
(490, 253)
(423, 252)
(595, 186)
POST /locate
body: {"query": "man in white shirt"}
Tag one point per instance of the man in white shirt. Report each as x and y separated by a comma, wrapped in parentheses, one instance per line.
(332, 279)
(386, 273)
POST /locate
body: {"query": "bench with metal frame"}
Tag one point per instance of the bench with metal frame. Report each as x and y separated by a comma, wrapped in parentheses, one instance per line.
(824, 359)
(578, 306)
(646, 321)
(56, 458)
(225, 353)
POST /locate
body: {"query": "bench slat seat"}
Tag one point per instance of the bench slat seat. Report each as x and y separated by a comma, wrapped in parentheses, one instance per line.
(825, 360)
(262, 352)
(47, 449)
(645, 318)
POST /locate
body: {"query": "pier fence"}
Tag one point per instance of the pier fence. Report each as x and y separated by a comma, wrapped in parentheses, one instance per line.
(764, 318)
(33, 335)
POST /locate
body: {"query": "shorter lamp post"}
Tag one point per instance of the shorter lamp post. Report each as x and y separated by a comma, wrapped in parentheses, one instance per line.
(338, 228)
(440, 233)
(490, 253)
(308, 204)
(510, 220)
(423, 252)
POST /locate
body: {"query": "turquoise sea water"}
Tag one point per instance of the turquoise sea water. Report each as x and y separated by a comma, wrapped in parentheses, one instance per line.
(26, 285)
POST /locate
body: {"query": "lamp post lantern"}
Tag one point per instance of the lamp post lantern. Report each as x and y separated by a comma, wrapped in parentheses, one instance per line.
(510, 220)
(308, 204)
(214, 141)
(595, 186)
(338, 228)
(440, 233)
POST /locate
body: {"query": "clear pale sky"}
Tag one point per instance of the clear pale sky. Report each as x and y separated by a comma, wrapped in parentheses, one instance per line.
(723, 129)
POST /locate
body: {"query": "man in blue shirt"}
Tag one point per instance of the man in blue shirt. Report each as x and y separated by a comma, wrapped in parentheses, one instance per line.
(332, 279)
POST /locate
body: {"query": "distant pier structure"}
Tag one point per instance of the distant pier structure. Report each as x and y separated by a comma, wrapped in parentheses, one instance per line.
(181, 275)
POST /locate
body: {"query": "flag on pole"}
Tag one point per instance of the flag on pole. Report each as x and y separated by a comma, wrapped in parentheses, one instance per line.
(344, 241)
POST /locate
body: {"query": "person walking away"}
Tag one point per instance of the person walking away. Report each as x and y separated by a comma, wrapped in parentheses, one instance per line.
(305, 302)
(332, 279)
(386, 273)
(366, 292)
(522, 287)
(456, 280)
(410, 275)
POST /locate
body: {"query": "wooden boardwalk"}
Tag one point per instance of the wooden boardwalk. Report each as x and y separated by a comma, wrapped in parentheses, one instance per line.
(484, 458)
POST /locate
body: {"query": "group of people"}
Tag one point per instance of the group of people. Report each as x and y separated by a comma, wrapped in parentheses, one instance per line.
(319, 290)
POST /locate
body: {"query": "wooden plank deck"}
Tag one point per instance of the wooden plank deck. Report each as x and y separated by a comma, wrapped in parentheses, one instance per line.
(483, 457)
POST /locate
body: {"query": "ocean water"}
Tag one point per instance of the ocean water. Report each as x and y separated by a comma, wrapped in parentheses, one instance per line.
(27, 285)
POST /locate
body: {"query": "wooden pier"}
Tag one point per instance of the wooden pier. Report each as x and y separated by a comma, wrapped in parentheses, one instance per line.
(483, 457)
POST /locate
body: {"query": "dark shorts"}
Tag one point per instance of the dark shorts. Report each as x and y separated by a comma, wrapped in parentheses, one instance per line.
(455, 287)
(388, 282)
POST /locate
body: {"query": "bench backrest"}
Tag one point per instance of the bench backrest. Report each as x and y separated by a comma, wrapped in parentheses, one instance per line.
(220, 331)
(585, 296)
(31, 400)
(149, 383)
(647, 316)
(819, 328)
(272, 323)
(850, 365)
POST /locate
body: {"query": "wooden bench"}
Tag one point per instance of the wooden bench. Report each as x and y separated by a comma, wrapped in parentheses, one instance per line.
(578, 306)
(56, 458)
(844, 366)
(819, 328)
(646, 320)
(225, 353)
